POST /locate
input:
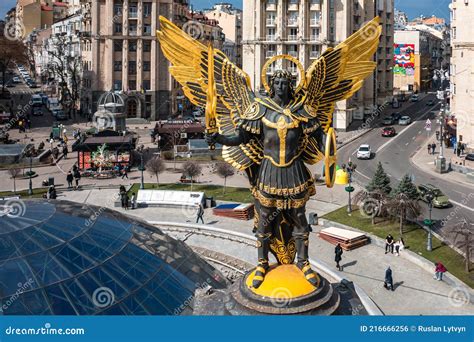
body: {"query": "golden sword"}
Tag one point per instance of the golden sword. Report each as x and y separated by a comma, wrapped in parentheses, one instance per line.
(211, 98)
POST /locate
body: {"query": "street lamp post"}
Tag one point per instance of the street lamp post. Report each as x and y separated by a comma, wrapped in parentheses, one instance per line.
(30, 173)
(349, 168)
(429, 222)
(141, 150)
(440, 161)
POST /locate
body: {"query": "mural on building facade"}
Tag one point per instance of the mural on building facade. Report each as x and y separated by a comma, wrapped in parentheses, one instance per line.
(404, 59)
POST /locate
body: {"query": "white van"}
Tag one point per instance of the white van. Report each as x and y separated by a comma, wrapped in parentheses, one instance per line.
(52, 103)
(37, 100)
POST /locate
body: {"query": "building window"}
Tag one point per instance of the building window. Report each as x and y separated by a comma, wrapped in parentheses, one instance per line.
(146, 66)
(293, 34)
(146, 9)
(132, 85)
(314, 34)
(117, 28)
(132, 46)
(271, 18)
(132, 10)
(117, 85)
(146, 84)
(132, 29)
(118, 45)
(118, 9)
(146, 29)
(146, 46)
(132, 67)
(117, 65)
(271, 33)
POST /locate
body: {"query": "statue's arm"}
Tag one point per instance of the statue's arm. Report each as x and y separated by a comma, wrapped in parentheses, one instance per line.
(240, 137)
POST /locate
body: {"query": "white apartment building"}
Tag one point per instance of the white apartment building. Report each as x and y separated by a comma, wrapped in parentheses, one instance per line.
(462, 70)
(306, 28)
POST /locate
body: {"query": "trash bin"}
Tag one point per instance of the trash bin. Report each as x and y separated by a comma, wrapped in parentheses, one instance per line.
(51, 181)
(313, 219)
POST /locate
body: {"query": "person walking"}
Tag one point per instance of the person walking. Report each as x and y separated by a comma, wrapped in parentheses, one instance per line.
(77, 177)
(388, 283)
(124, 173)
(200, 214)
(439, 270)
(463, 147)
(69, 179)
(429, 148)
(338, 256)
(52, 192)
(123, 193)
(389, 244)
(65, 151)
(433, 148)
(133, 201)
(126, 201)
(458, 150)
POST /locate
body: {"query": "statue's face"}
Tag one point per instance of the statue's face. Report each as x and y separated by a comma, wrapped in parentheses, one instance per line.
(281, 86)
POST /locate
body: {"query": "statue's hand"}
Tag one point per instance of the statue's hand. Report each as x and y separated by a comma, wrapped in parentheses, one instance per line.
(211, 139)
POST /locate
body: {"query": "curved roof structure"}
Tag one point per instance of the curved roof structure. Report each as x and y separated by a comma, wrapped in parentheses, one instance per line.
(64, 258)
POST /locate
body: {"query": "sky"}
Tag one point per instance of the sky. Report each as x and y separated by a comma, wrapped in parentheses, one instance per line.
(413, 8)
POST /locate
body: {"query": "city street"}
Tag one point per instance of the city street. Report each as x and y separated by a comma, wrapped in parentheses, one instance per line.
(395, 155)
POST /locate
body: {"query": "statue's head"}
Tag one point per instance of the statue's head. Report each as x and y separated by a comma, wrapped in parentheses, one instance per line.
(281, 84)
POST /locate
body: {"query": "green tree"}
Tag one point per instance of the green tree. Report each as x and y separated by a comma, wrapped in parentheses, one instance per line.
(402, 207)
(191, 169)
(407, 187)
(380, 181)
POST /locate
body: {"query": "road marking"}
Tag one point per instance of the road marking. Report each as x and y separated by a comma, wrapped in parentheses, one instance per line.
(360, 173)
(404, 130)
(405, 145)
(461, 205)
(413, 138)
(419, 132)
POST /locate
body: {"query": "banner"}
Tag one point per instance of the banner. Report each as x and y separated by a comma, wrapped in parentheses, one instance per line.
(404, 59)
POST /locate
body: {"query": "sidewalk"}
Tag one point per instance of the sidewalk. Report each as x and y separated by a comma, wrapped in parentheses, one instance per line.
(416, 293)
(425, 162)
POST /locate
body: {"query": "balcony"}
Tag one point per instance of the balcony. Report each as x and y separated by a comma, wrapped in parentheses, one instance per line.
(271, 22)
(270, 54)
(314, 54)
(293, 53)
(292, 22)
(270, 38)
(132, 15)
(292, 37)
(133, 33)
(315, 22)
(315, 38)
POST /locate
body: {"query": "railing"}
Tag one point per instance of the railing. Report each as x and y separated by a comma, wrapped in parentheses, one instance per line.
(315, 22)
(292, 37)
(270, 54)
(133, 15)
(315, 38)
(292, 22)
(271, 22)
(271, 37)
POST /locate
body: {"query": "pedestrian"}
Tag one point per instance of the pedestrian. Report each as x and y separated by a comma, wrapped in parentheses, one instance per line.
(455, 145)
(65, 151)
(439, 270)
(338, 256)
(200, 214)
(388, 283)
(134, 201)
(429, 148)
(69, 179)
(463, 147)
(77, 177)
(65, 139)
(389, 244)
(433, 147)
(399, 246)
(124, 173)
(437, 135)
(458, 150)
(52, 192)
(126, 201)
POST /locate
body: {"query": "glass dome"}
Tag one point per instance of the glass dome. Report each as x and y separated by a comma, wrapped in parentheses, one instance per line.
(64, 258)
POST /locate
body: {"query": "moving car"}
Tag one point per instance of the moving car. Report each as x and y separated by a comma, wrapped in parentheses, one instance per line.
(430, 103)
(36, 100)
(37, 111)
(364, 152)
(396, 116)
(388, 120)
(59, 114)
(388, 132)
(52, 103)
(470, 156)
(414, 98)
(440, 200)
(404, 120)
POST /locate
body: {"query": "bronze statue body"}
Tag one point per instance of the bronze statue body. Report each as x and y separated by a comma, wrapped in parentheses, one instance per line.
(273, 138)
(282, 183)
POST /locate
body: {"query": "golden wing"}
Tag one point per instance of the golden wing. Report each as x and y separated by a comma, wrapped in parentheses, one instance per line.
(189, 59)
(340, 72)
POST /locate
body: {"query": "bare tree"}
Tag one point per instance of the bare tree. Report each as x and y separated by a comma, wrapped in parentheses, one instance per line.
(191, 169)
(224, 170)
(14, 172)
(65, 65)
(403, 206)
(463, 229)
(155, 166)
(371, 203)
(11, 51)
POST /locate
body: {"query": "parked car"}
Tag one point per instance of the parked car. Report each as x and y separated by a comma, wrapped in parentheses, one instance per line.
(388, 120)
(396, 116)
(33, 84)
(430, 103)
(52, 103)
(388, 132)
(16, 79)
(414, 98)
(36, 100)
(404, 120)
(364, 152)
(60, 115)
(470, 156)
(440, 200)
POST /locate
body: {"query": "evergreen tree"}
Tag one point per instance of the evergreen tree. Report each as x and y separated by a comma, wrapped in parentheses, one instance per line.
(407, 187)
(380, 181)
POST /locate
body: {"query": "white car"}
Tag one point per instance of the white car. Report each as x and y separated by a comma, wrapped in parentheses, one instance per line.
(16, 79)
(364, 152)
(404, 120)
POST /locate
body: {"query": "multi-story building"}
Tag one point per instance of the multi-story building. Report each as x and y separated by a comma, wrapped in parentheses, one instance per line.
(417, 54)
(304, 29)
(230, 20)
(401, 20)
(33, 14)
(462, 70)
(121, 53)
